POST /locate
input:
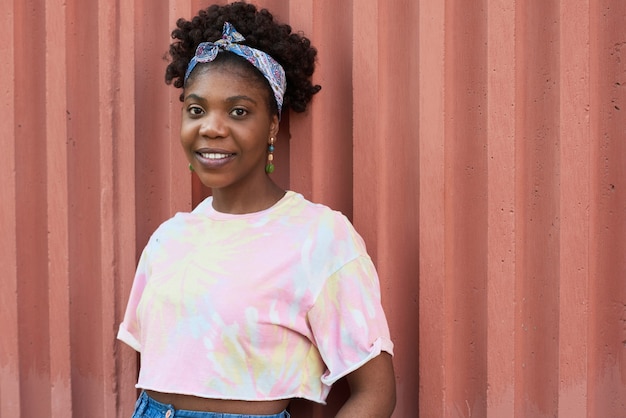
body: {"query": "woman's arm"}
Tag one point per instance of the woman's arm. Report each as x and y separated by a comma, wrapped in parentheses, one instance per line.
(372, 390)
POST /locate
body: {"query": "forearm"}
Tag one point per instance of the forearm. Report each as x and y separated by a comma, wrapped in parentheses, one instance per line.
(372, 390)
(367, 406)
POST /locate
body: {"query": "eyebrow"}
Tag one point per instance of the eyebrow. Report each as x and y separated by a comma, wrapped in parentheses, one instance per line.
(241, 97)
(194, 96)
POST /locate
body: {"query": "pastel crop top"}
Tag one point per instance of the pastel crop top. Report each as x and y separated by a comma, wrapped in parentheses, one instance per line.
(269, 305)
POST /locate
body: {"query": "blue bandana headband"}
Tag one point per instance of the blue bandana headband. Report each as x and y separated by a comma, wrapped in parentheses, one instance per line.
(271, 70)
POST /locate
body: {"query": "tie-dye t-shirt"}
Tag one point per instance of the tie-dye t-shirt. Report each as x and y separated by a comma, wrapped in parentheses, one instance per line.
(268, 305)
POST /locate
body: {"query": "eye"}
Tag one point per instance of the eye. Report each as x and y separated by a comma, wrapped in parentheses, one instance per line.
(194, 110)
(238, 112)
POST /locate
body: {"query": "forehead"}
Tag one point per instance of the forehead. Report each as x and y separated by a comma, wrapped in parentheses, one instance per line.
(231, 69)
(223, 78)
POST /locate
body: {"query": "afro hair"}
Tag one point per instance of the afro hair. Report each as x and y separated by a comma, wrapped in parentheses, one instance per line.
(292, 50)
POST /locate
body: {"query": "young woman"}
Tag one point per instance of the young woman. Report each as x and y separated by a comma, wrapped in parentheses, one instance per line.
(257, 296)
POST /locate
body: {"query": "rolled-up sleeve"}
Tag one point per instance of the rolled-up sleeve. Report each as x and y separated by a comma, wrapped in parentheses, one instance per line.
(347, 319)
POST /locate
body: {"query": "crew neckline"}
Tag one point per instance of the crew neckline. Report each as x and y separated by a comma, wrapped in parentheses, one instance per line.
(206, 208)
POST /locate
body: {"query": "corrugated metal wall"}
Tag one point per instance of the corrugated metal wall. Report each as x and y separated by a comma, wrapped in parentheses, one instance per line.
(479, 147)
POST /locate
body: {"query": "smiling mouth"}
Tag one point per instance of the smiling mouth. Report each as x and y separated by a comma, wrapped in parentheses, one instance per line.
(213, 160)
(214, 155)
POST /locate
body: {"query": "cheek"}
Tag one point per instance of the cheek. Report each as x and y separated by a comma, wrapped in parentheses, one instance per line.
(186, 133)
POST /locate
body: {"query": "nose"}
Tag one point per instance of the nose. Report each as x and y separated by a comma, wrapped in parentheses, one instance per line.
(213, 126)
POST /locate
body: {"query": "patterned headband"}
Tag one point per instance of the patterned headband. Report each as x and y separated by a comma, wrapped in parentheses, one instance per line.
(272, 70)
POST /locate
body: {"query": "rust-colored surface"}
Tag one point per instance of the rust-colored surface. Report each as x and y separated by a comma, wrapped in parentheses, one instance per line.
(479, 148)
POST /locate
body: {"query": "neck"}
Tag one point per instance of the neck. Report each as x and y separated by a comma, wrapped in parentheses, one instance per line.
(247, 201)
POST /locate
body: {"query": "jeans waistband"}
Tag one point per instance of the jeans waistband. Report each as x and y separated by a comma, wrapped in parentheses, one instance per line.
(151, 408)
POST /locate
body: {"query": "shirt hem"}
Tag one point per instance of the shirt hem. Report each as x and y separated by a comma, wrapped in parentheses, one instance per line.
(234, 398)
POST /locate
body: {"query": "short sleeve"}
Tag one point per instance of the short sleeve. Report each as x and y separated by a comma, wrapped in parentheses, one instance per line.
(129, 331)
(347, 319)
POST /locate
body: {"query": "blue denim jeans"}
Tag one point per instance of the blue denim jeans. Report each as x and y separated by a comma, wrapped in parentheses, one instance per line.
(146, 407)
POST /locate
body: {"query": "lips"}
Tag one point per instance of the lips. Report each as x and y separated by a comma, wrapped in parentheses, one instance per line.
(214, 155)
(213, 159)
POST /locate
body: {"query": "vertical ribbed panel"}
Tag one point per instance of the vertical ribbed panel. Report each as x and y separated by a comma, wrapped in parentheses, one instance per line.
(10, 374)
(386, 171)
(522, 277)
(501, 245)
(431, 216)
(58, 211)
(607, 206)
(68, 208)
(575, 186)
(479, 148)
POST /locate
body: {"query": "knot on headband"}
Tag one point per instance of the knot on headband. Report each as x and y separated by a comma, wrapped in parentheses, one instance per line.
(271, 70)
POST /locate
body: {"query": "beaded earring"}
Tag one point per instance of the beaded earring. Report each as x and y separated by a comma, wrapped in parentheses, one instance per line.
(191, 167)
(269, 168)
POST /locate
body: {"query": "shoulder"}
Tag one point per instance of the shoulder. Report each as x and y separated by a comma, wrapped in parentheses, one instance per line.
(176, 233)
(322, 215)
(330, 230)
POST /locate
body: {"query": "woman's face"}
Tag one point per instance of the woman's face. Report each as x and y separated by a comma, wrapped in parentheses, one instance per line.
(226, 128)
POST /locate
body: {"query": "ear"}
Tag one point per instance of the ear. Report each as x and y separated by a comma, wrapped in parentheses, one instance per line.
(274, 126)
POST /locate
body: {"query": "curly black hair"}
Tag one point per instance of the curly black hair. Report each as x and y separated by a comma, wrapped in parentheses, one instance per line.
(292, 51)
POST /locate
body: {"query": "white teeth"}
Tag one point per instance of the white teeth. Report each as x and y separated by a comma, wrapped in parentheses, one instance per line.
(213, 155)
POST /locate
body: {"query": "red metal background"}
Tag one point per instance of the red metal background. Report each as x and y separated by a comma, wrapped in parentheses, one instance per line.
(479, 148)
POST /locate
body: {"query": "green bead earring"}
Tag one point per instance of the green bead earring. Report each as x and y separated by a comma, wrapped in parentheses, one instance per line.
(191, 168)
(269, 168)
